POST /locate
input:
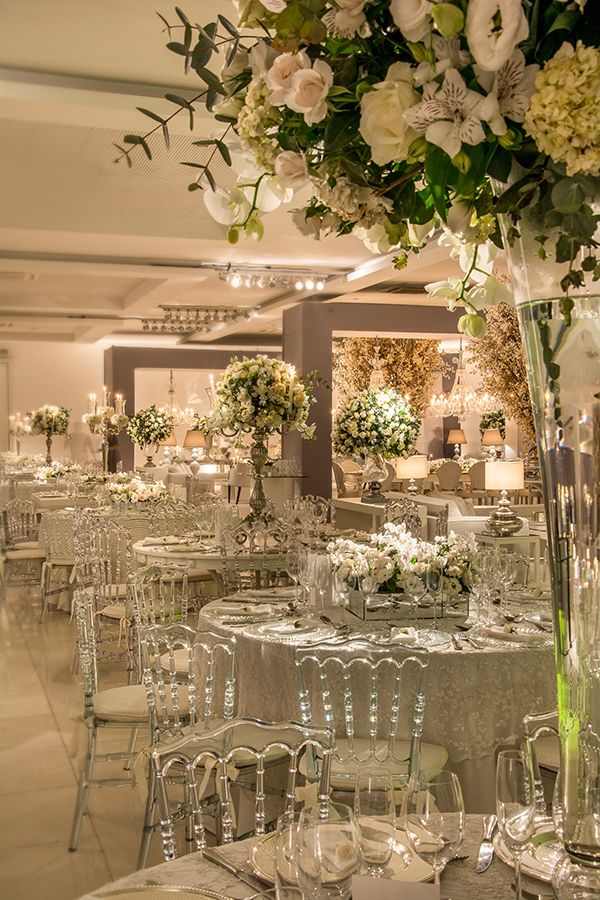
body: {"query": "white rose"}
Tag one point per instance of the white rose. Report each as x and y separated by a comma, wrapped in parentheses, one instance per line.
(291, 169)
(382, 122)
(279, 76)
(493, 30)
(413, 17)
(309, 91)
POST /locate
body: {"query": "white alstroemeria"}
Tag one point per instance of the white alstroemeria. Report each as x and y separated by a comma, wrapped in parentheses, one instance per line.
(509, 91)
(448, 115)
(227, 207)
(448, 55)
(291, 169)
(413, 18)
(493, 29)
(347, 19)
(489, 292)
(274, 6)
(279, 76)
(308, 93)
(269, 195)
(449, 290)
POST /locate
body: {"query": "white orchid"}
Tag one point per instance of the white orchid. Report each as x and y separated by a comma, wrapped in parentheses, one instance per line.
(227, 207)
(493, 29)
(449, 290)
(489, 292)
(448, 55)
(448, 115)
(509, 91)
(269, 194)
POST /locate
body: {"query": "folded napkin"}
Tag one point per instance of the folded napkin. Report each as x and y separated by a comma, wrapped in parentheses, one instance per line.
(511, 634)
(400, 634)
(283, 593)
(161, 541)
(242, 609)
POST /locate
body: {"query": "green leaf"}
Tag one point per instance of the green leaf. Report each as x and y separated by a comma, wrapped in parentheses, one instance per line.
(211, 99)
(124, 153)
(194, 186)
(228, 26)
(205, 142)
(192, 165)
(152, 115)
(181, 101)
(340, 130)
(437, 170)
(564, 249)
(162, 18)
(209, 177)
(208, 33)
(567, 196)
(201, 54)
(211, 80)
(224, 151)
(177, 47)
(500, 164)
(165, 134)
(138, 140)
(565, 21)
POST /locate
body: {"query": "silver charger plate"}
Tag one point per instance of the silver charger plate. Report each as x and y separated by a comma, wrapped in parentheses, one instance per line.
(161, 892)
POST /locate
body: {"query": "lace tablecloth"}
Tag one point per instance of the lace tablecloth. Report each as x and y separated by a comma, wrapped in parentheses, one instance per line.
(459, 882)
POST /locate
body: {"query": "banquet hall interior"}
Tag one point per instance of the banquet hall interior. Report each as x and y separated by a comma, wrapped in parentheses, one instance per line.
(299, 453)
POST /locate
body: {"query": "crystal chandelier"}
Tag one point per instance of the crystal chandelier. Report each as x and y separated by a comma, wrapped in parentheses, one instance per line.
(191, 319)
(377, 379)
(173, 409)
(461, 401)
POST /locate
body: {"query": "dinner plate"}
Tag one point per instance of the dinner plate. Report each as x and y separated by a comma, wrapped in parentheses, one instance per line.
(539, 860)
(262, 861)
(291, 630)
(161, 892)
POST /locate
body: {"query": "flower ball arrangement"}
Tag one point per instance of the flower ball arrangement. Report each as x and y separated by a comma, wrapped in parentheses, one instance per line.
(262, 394)
(148, 427)
(50, 420)
(375, 423)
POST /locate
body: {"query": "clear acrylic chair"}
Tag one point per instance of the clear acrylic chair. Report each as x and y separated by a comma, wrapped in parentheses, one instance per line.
(405, 512)
(542, 745)
(373, 699)
(181, 701)
(215, 761)
(172, 517)
(159, 595)
(253, 557)
(56, 536)
(23, 558)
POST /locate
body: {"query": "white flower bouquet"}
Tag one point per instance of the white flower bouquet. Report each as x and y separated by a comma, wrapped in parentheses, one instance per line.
(50, 420)
(465, 463)
(375, 423)
(105, 421)
(148, 427)
(56, 470)
(124, 488)
(21, 461)
(262, 394)
(393, 560)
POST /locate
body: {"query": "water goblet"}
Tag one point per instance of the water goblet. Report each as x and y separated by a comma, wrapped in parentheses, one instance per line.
(434, 579)
(375, 812)
(285, 875)
(434, 818)
(292, 567)
(306, 574)
(327, 851)
(515, 806)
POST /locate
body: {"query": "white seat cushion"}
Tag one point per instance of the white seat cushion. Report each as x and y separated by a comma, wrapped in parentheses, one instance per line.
(113, 611)
(26, 545)
(547, 751)
(343, 770)
(181, 661)
(25, 554)
(129, 704)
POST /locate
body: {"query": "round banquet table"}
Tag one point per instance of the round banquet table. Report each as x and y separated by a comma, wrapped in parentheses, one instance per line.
(458, 881)
(475, 698)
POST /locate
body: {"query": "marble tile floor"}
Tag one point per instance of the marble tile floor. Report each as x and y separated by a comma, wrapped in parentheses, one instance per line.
(40, 701)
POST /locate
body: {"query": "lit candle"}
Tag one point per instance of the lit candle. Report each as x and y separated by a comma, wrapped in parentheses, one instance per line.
(118, 403)
(104, 396)
(92, 403)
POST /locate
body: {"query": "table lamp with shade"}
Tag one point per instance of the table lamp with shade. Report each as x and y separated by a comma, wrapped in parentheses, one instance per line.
(413, 468)
(457, 437)
(504, 476)
(167, 444)
(492, 439)
(195, 441)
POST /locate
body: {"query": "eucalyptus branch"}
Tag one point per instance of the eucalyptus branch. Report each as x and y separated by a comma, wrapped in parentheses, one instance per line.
(143, 139)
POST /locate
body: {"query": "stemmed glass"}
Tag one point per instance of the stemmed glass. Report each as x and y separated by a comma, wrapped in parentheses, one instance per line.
(306, 574)
(286, 884)
(322, 574)
(341, 590)
(515, 806)
(327, 851)
(292, 567)
(375, 812)
(434, 579)
(434, 818)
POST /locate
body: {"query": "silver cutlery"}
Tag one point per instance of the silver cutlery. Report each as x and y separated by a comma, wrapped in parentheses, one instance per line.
(486, 848)
(458, 644)
(239, 871)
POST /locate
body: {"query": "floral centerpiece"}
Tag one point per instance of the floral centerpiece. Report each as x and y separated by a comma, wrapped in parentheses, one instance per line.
(494, 419)
(125, 488)
(12, 460)
(50, 420)
(465, 463)
(148, 427)
(261, 396)
(56, 470)
(106, 420)
(377, 425)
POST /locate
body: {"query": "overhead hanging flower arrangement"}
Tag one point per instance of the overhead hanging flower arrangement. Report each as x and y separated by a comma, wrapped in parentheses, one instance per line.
(398, 115)
(375, 423)
(148, 427)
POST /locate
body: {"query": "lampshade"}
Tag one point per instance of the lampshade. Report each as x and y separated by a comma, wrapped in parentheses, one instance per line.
(492, 438)
(194, 438)
(412, 467)
(504, 475)
(457, 436)
(168, 441)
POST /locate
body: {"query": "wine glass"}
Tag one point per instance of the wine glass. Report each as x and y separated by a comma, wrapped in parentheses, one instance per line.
(322, 574)
(375, 813)
(434, 579)
(285, 875)
(341, 590)
(434, 818)
(292, 567)
(327, 851)
(515, 806)
(306, 574)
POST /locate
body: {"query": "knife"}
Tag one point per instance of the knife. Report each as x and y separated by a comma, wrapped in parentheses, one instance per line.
(239, 872)
(486, 849)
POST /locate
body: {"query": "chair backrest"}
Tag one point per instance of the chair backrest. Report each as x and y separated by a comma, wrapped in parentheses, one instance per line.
(538, 725)
(441, 522)
(406, 512)
(359, 689)
(56, 535)
(24, 490)
(217, 752)
(338, 474)
(159, 595)
(254, 556)
(109, 550)
(21, 521)
(312, 510)
(87, 648)
(172, 516)
(448, 475)
(477, 476)
(189, 678)
(134, 518)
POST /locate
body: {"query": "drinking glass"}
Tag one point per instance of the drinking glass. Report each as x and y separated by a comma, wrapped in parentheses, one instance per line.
(434, 818)
(515, 806)
(327, 851)
(375, 813)
(292, 567)
(434, 580)
(306, 574)
(341, 590)
(285, 875)
(322, 575)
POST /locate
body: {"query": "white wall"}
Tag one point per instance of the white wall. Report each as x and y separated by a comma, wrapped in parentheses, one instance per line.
(61, 374)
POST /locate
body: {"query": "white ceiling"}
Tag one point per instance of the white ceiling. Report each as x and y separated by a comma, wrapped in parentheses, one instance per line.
(87, 247)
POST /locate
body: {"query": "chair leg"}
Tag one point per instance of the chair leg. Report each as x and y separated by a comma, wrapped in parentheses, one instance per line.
(239, 494)
(46, 582)
(148, 819)
(131, 748)
(85, 778)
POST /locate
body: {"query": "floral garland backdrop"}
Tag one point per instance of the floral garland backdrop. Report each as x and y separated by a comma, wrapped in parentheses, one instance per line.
(400, 115)
(148, 427)
(50, 420)
(375, 423)
(409, 366)
(262, 394)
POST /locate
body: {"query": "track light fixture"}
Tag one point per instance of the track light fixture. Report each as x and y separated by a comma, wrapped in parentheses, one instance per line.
(273, 278)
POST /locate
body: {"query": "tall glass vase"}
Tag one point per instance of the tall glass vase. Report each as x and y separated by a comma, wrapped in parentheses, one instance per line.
(49, 450)
(259, 455)
(562, 348)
